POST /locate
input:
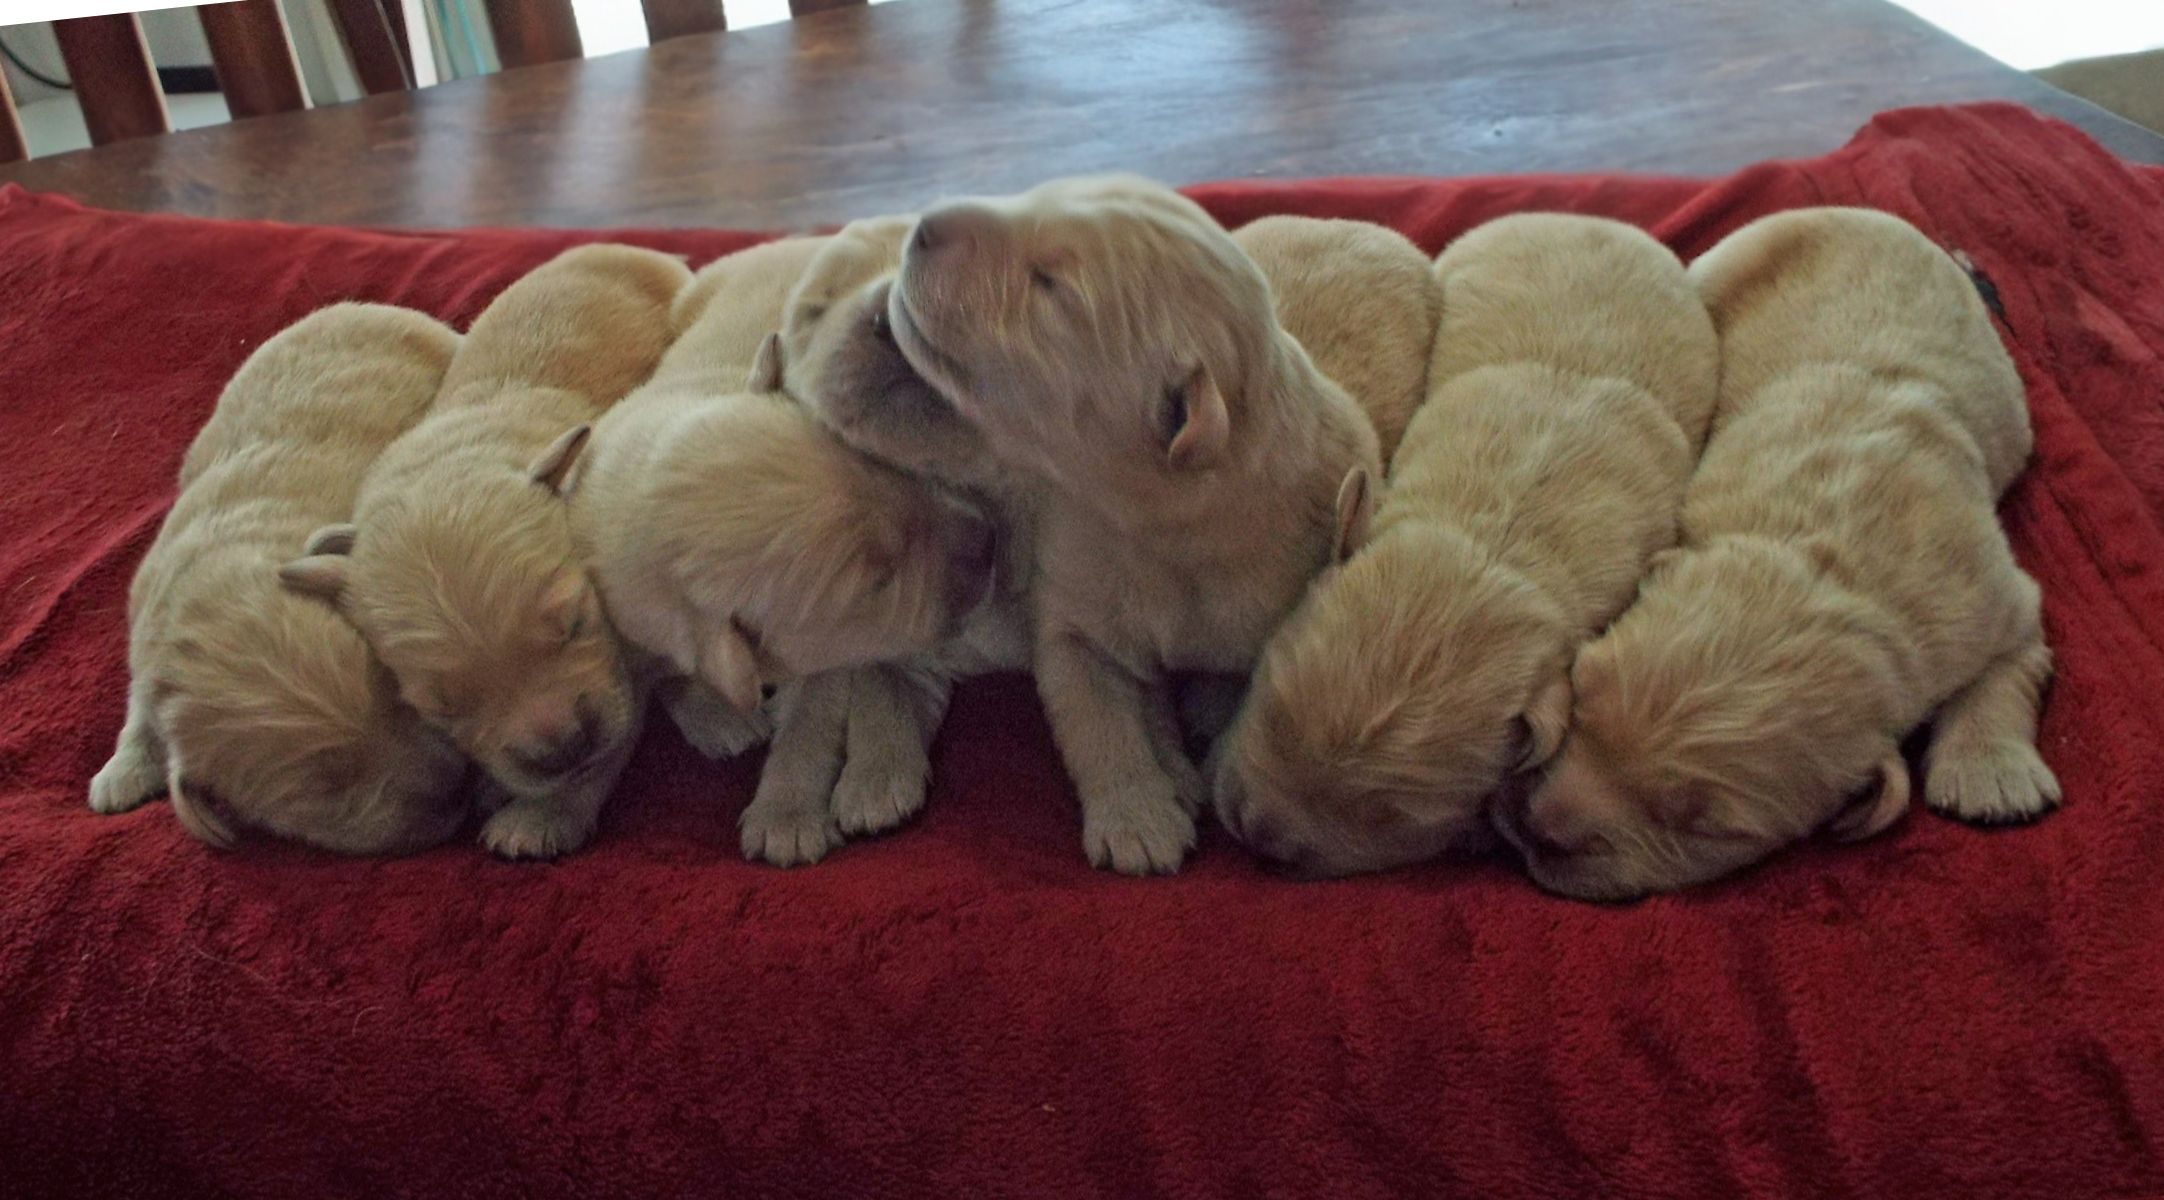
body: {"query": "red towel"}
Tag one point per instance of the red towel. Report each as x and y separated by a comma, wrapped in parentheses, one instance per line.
(965, 1008)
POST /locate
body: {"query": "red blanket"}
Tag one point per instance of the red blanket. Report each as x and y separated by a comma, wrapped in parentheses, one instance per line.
(966, 1008)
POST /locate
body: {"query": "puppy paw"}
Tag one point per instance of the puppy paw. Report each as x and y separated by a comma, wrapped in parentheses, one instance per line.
(787, 835)
(532, 829)
(126, 781)
(1998, 783)
(875, 795)
(1139, 837)
(717, 730)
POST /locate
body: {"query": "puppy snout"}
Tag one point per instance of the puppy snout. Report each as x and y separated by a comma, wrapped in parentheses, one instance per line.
(1526, 826)
(566, 751)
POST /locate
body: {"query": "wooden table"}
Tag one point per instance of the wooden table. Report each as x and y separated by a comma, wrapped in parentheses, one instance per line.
(872, 110)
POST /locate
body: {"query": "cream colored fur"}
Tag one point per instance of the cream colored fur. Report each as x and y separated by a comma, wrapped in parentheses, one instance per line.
(1574, 374)
(1362, 301)
(463, 573)
(738, 299)
(742, 544)
(258, 708)
(1842, 579)
(1105, 335)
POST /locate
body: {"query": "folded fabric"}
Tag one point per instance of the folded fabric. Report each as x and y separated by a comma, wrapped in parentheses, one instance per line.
(965, 1008)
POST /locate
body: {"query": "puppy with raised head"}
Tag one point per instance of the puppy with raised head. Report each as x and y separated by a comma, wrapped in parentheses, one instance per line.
(1573, 377)
(1106, 336)
(1842, 579)
(1361, 300)
(739, 542)
(461, 568)
(840, 361)
(258, 708)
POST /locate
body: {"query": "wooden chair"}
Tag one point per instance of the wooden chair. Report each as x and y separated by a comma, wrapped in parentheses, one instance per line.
(252, 52)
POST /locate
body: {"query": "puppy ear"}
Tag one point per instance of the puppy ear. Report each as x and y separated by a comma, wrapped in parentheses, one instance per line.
(1355, 506)
(730, 666)
(321, 575)
(1881, 804)
(1546, 719)
(553, 469)
(1200, 423)
(331, 539)
(766, 366)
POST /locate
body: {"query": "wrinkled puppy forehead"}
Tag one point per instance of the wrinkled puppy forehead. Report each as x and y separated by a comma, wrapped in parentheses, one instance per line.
(1081, 214)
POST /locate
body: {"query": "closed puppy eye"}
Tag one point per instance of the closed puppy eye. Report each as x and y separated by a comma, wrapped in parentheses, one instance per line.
(575, 628)
(1043, 279)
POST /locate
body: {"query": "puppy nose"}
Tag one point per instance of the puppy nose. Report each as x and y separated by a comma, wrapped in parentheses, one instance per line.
(950, 227)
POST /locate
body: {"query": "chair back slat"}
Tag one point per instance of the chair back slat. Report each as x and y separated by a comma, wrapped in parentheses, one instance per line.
(253, 55)
(666, 19)
(805, 8)
(374, 45)
(534, 31)
(114, 81)
(13, 146)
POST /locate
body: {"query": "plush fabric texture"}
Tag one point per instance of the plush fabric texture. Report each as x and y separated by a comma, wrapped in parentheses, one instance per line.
(965, 1007)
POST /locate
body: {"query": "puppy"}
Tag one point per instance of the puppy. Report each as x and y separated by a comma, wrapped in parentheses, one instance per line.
(1361, 300)
(1574, 374)
(256, 707)
(840, 362)
(737, 541)
(461, 568)
(1107, 337)
(1841, 579)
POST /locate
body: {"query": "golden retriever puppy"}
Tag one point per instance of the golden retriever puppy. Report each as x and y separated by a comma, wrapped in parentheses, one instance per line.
(739, 542)
(461, 568)
(1361, 300)
(1106, 336)
(1842, 578)
(839, 360)
(258, 708)
(1574, 373)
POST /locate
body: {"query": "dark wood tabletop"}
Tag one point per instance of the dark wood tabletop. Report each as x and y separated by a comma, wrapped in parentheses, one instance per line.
(870, 110)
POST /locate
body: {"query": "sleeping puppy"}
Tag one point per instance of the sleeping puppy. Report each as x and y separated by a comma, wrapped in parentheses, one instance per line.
(461, 568)
(738, 542)
(256, 707)
(1361, 300)
(1841, 580)
(1574, 375)
(1106, 336)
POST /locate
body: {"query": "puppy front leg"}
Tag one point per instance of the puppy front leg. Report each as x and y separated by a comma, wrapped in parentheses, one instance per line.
(1981, 762)
(894, 713)
(136, 771)
(1109, 726)
(790, 820)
